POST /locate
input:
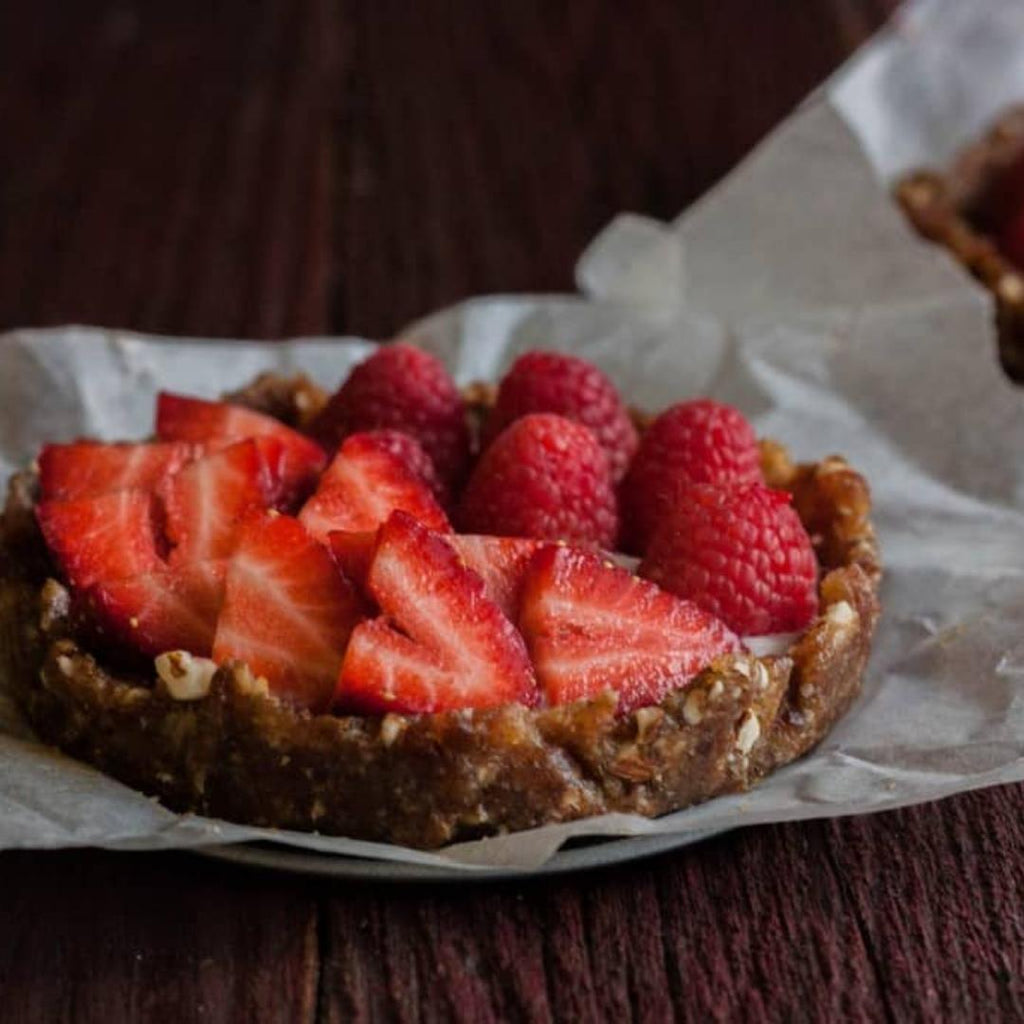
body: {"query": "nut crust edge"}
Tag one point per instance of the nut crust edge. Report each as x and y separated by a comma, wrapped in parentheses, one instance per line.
(937, 204)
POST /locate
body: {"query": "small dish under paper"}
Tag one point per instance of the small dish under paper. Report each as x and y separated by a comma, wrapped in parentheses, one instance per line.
(582, 856)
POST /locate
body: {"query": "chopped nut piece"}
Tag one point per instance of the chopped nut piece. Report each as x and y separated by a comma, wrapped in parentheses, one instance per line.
(1011, 288)
(186, 677)
(693, 709)
(391, 728)
(56, 604)
(742, 668)
(749, 733)
(760, 676)
(647, 721)
(833, 464)
(842, 613)
(918, 194)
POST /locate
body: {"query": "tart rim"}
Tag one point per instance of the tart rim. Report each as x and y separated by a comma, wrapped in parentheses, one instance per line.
(937, 203)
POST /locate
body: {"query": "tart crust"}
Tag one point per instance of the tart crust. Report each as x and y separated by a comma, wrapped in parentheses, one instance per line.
(949, 208)
(424, 781)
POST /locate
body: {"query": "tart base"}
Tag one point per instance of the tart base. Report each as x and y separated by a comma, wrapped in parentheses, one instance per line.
(949, 208)
(425, 781)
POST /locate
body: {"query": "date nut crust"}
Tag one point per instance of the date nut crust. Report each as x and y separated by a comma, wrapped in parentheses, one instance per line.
(941, 207)
(424, 781)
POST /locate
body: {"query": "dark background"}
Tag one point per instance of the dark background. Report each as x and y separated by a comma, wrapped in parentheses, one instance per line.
(326, 166)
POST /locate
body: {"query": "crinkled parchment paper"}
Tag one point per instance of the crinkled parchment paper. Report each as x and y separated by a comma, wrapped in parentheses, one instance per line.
(793, 290)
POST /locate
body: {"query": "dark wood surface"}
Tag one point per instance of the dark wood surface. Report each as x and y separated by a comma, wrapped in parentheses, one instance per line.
(275, 168)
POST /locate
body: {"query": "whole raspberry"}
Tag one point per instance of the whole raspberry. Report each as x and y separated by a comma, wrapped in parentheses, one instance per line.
(741, 553)
(544, 477)
(415, 459)
(401, 388)
(698, 442)
(570, 387)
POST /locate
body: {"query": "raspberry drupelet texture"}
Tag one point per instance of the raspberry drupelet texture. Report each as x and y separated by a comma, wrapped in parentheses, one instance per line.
(697, 442)
(740, 553)
(402, 388)
(405, 447)
(570, 387)
(545, 477)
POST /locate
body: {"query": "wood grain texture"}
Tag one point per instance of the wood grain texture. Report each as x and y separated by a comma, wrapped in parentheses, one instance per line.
(509, 134)
(271, 168)
(94, 937)
(171, 165)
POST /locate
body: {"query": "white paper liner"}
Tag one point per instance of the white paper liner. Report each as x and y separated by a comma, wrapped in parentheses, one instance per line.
(795, 291)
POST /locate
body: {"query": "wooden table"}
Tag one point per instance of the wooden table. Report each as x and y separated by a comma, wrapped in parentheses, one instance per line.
(333, 166)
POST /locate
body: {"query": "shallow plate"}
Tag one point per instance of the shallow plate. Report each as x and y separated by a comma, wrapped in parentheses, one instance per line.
(593, 854)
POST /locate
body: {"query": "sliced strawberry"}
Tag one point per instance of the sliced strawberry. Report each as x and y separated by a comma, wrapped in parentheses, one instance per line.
(416, 460)
(287, 612)
(218, 424)
(170, 610)
(353, 553)
(456, 649)
(362, 486)
(85, 469)
(386, 671)
(501, 562)
(101, 538)
(207, 500)
(591, 626)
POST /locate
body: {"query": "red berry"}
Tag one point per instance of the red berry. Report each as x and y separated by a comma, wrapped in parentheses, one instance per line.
(102, 538)
(363, 485)
(699, 442)
(402, 388)
(570, 387)
(742, 554)
(206, 501)
(353, 553)
(501, 562)
(168, 610)
(592, 626)
(294, 460)
(86, 469)
(455, 650)
(544, 477)
(416, 460)
(288, 612)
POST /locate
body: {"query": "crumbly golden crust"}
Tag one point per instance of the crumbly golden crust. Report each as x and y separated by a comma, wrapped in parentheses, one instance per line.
(424, 781)
(948, 208)
(293, 400)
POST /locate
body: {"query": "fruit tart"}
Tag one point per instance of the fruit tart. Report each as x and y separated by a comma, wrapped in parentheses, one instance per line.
(975, 209)
(411, 614)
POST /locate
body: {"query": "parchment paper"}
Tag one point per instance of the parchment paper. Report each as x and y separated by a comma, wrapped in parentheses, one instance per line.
(793, 290)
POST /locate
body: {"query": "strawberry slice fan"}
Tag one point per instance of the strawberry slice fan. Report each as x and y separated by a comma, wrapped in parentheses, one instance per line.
(405, 616)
